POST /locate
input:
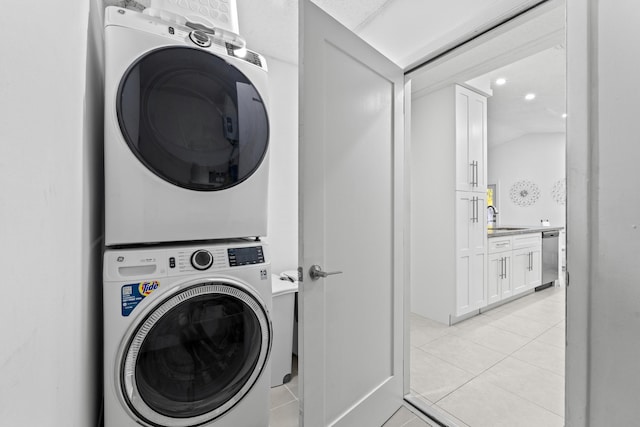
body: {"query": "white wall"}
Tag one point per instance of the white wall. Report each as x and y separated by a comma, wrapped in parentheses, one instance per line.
(49, 217)
(539, 158)
(603, 247)
(433, 203)
(283, 176)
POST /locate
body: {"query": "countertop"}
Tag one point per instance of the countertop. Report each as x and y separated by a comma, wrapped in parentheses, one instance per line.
(519, 229)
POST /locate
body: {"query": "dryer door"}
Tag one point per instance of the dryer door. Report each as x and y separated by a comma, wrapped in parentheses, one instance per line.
(196, 354)
(192, 118)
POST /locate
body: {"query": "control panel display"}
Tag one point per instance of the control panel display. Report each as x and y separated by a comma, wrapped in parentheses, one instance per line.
(245, 256)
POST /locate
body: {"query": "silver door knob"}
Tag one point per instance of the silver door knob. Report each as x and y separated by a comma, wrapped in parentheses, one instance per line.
(316, 272)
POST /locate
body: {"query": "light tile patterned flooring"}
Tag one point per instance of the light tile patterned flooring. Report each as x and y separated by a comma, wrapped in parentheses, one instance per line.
(504, 367)
(284, 407)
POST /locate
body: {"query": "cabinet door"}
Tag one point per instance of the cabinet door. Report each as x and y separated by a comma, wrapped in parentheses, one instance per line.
(470, 283)
(471, 251)
(478, 228)
(527, 272)
(521, 270)
(478, 140)
(495, 273)
(471, 140)
(478, 280)
(506, 285)
(534, 274)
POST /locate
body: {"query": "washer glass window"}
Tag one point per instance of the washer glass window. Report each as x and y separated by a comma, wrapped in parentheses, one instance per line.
(197, 353)
(192, 118)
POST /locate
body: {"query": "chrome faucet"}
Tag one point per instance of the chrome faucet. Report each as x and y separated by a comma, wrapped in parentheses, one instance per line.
(492, 216)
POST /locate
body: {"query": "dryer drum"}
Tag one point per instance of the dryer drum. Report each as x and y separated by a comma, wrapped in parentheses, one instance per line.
(192, 118)
(196, 355)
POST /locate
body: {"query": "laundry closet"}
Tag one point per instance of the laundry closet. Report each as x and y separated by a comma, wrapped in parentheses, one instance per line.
(187, 293)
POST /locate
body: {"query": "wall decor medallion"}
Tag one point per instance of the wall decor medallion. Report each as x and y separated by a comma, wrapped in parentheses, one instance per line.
(524, 193)
(559, 191)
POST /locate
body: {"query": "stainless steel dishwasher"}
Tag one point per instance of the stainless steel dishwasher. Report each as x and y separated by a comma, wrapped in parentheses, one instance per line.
(549, 258)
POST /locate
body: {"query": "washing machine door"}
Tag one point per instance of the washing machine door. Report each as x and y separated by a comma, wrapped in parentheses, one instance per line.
(196, 354)
(192, 118)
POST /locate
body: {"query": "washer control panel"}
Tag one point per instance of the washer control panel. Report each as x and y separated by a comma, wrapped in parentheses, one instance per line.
(155, 263)
(245, 256)
(215, 258)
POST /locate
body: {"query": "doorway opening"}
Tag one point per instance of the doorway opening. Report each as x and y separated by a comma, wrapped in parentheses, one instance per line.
(487, 328)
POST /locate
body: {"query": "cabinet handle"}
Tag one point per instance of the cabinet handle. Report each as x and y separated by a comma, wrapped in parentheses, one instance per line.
(476, 174)
(475, 204)
(474, 210)
(530, 261)
(473, 173)
(502, 268)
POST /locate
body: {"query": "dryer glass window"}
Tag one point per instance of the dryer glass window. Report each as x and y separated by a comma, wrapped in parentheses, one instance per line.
(193, 119)
(198, 355)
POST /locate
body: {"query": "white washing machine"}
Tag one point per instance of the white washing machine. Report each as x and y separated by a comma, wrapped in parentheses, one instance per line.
(187, 336)
(186, 134)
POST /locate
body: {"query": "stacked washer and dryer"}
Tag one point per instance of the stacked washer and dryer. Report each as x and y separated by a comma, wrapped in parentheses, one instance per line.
(187, 281)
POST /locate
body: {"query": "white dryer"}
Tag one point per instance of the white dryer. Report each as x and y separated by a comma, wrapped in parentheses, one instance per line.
(187, 336)
(186, 134)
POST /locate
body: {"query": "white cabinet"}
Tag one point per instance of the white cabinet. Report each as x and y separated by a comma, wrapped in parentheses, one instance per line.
(514, 265)
(471, 238)
(471, 189)
(527, 258)
(448, 203)
(499, 266)
(526, 269)
(471, 140)
(499, 283)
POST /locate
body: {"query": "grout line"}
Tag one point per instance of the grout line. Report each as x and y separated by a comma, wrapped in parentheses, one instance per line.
(525, 398)
(511, 354)
(284, 404)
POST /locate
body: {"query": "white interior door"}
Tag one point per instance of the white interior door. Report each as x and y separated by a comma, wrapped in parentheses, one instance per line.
(351, 220)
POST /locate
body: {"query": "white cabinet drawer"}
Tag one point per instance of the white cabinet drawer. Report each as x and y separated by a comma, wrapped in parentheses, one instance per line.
(499, 244)
(527, 240)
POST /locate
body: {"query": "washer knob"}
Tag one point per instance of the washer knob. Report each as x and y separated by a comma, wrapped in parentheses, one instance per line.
(200, 38)
(201, 259)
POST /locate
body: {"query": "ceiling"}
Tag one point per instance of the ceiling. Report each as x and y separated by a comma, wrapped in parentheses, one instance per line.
(404, 30)
(407, 31)
(510, 116)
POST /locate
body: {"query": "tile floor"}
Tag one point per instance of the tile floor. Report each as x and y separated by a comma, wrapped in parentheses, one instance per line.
(504, 367)
(284, 407)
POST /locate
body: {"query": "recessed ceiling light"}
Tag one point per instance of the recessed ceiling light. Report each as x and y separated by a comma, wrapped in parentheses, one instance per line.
(564, 115)
(501, 81)
(530, 96)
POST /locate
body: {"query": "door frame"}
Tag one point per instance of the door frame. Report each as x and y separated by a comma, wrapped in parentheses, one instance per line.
(506, 42)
